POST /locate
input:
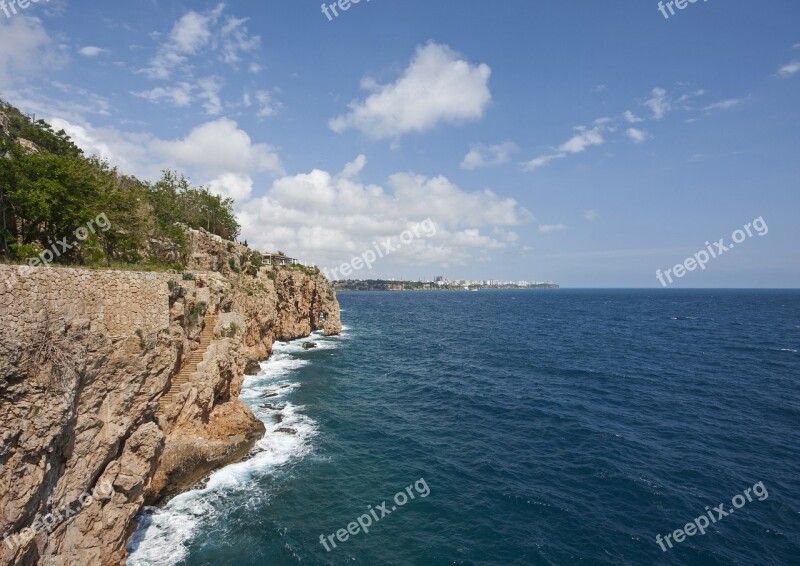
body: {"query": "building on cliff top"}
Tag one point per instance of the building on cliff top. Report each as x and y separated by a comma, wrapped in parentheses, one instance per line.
(279, 259)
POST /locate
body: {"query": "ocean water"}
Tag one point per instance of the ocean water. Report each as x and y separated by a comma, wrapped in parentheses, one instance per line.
(546, 427)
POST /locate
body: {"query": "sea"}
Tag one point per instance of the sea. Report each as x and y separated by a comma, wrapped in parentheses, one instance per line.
(530, 427)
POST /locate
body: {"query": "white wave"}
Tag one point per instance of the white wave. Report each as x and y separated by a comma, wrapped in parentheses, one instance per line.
(162, 536)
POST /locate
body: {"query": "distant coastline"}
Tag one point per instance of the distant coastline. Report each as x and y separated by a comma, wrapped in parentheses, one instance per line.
(388, 285)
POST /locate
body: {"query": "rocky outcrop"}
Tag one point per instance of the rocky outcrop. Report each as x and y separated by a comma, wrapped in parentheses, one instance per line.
(85, 358)
(5, 125)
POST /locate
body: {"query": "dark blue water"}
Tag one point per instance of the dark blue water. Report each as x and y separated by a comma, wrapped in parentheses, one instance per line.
(551, 427)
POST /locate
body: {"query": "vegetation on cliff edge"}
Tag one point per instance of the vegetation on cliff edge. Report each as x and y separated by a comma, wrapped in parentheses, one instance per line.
(51, 189)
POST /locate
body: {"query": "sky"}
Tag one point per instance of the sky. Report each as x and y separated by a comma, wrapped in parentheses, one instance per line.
(586, 143)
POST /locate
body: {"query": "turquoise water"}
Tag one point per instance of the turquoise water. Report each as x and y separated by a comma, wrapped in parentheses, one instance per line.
(549, 427)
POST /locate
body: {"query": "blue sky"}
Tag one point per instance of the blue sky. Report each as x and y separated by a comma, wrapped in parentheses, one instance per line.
(586, 143)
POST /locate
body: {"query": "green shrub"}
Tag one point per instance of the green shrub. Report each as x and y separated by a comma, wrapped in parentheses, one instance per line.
(256, 260)
(140, 334)
(171, 285)
(188, 276)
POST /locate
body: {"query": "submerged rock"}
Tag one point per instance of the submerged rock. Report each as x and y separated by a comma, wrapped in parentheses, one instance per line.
(253, 367)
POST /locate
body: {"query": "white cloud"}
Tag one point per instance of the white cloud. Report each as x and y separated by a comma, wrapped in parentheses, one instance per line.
(266, 105)
(92, 51)
(577, 144)
(182, 94)
(326, 218)
(25, 48)
(659, 104)
(632, 118)
(236, 39)
(636, 135)
(232, 185)
(591, 215)
(550, 228)
(196, 33)
(485, 156)
(599, 88)
(585, 138)
(128, 151)
(189, 35)
(220, 147)
(437, 87)
(541, 161)
(179, 95)
(789, 69)
(353, 168)
(209, 91)
(724, 104)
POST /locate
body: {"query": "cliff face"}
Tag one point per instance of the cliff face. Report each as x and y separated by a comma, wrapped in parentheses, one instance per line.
(94, 419)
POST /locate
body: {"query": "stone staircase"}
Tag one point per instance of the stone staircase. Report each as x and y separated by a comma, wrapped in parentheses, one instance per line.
(195, 358)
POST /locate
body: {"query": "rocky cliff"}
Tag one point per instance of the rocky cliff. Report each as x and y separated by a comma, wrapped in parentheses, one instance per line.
(95, 420)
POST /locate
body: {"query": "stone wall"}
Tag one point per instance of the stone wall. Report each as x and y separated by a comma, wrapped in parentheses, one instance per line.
(117, 303)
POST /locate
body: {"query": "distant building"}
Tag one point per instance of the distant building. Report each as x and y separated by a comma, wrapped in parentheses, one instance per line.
(279, 259)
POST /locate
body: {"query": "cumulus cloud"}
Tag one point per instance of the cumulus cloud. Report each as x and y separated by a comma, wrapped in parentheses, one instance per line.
(328, 218)
(591, 215)
(218, 151)
(439, 86)
(219, 147)
(485, 156)
(237, 186)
